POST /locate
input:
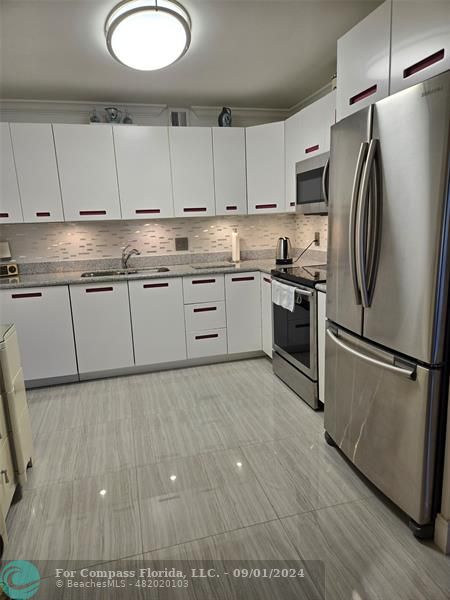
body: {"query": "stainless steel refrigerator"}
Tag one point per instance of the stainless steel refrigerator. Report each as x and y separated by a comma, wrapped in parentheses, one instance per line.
(387, 292)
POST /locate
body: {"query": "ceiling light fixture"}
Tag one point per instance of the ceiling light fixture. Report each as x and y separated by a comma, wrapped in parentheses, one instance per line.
(148, 34)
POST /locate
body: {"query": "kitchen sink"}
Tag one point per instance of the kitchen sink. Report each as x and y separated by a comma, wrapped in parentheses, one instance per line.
(115, 272)
(214, 266)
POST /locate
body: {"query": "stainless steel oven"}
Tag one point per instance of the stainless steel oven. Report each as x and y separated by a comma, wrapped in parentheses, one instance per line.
(295, 343)
(312, 185)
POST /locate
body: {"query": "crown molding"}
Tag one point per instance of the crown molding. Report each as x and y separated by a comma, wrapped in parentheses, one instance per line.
(317, 95)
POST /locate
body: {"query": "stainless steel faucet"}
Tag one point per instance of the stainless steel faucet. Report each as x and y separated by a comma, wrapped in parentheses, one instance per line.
(126, 254)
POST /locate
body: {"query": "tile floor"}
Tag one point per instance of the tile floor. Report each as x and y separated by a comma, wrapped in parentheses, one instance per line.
(218, 462)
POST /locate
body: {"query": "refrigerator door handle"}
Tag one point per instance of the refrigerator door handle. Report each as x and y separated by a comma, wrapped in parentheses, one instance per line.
(363, 225)
(375, 223)
(324, 182)
(409, 372)
(352, 222)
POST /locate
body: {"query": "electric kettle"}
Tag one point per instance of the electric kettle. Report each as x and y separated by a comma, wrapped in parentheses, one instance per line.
(283, 254)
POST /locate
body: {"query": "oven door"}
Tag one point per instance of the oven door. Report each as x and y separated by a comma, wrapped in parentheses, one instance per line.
(295, 337)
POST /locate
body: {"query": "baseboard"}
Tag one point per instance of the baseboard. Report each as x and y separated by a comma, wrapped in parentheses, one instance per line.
(37, 383)
(182, 364)
(442, 534)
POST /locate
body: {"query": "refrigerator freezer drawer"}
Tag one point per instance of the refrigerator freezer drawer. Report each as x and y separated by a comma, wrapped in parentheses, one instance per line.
(384, 419)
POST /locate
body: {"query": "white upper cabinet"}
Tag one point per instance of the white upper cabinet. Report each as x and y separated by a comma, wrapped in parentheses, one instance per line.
(307, 134)
(420, 41)
(37, 172)
(143, 171)
(10, 208)
(87, 170)
(265, 168)
(192, 171)
(363, 62)
(229, 170)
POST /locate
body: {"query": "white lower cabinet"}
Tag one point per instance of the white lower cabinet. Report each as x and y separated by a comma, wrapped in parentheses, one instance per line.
(243, 302)
(203, 288)
(208, 315)
(206, 343)
(321, 333)
(157, 316)
(101, 320)
(44, 328)
(266, 314)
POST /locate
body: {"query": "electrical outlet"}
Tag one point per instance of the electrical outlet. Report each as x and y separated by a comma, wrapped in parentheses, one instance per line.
(181, 243)
(317, 238)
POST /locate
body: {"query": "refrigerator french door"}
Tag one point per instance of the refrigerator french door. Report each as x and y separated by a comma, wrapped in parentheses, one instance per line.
(387, 290)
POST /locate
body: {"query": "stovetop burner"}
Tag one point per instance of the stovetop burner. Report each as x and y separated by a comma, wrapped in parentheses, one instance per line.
(307, 275)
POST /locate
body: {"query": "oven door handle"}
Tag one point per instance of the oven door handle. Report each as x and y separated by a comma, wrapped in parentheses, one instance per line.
(303, 292)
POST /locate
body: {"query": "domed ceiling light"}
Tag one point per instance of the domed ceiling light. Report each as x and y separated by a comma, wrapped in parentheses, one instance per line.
(148, 34)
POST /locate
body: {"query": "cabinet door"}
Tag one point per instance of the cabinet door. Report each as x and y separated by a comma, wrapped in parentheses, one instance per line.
(266, 314)
(10, 208)
(307, 134)
(321, 332)
(229, 170)
(243, 305)
(192, 171)
(87, 171)
(420, 41)
(363, 62)
(43, 322)
(101, 320)
(293, 148)
(265, 168)
(37, 173)
(143, 171)
(157, 316)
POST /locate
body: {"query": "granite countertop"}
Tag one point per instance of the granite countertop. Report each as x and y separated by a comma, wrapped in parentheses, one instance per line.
(321, 287)
(74, 277)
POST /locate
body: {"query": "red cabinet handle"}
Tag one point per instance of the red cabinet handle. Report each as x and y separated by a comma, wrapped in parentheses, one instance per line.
(155, 285)
(242, 278)
(207, 336)
(147, 211)
(267, 280)
(231, 207)
(201, 209)
(424, 63)
(364, 94)
(101, 289)
(43, 214)
(258, 206)
(197, 281)
(4, 215)
(27, 295)
(311, 149)
(206, 309)
(87, 213)
(292, 204)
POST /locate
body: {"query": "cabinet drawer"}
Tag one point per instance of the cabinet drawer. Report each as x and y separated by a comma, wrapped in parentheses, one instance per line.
(209, 342)
(7, 477)
(203, 288)
(209, 315)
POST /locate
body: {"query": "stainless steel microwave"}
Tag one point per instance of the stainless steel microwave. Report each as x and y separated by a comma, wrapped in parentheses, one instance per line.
(312, 185)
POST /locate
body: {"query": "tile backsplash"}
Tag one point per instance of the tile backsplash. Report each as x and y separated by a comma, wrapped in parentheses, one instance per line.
(48, 242)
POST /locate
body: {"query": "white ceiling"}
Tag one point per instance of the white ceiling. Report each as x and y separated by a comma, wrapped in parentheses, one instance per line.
(249, 53)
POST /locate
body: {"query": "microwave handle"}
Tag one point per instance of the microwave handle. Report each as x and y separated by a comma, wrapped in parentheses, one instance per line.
(324, 182)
